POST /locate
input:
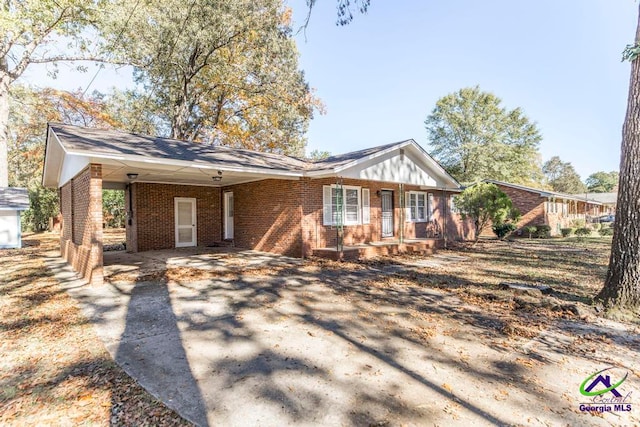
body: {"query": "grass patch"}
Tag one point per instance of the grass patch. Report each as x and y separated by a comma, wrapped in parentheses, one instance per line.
(54, 369)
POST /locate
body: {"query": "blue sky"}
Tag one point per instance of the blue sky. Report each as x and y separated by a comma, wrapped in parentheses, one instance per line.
(380, 76)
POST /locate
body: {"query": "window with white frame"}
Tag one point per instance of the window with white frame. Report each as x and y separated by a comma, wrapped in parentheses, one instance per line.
(347, 204)
(419, 206)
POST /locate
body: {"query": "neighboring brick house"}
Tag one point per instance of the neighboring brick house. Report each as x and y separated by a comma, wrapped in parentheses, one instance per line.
(608, 200)
(544, 207)
(378, 200)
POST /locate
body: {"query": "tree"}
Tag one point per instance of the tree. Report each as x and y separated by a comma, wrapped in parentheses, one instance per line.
(30, 31)
(345, 13)
(602, 182)
(316, 155)
(562, 177)
(30, 110)
(622, 284)
(475, 138)
(222, 72)
(485, 204)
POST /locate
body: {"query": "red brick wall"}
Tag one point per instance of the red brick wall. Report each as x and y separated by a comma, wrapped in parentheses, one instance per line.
(281, 216)
(81, 229)
(154, 215)
(530, 205)
(317, 235)
(268, 216)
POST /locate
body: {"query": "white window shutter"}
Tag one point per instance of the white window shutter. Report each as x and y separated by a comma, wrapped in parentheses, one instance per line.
(327, 214)
(430, 206)
(407, 207)
(366, 210)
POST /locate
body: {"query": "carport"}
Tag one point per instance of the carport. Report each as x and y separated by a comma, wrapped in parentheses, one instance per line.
(168, 189)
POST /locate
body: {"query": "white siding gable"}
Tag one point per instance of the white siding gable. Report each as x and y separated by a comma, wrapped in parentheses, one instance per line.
(393, 167)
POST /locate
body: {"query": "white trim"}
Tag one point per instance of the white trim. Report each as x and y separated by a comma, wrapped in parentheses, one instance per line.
(194, 219)
(95, 157)
(372, 156)
(326, 206)
(366, 205)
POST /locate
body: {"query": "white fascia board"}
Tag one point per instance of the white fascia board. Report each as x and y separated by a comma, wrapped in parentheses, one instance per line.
(372, 156)
(96, 158)
(53, 149)
(326, 173)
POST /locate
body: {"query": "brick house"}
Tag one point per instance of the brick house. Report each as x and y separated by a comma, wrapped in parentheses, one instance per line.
(544, 207)
(384, 199)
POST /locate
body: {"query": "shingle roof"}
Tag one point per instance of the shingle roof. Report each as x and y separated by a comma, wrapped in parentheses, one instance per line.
(606, 198)
(343, 159)
(545, 193)
(13, 198)
(102, 141)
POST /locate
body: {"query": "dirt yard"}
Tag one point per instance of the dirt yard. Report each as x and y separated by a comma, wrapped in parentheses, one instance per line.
(398, 341)
(53, 369)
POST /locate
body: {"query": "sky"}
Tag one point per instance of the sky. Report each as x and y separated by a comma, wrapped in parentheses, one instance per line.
(381, 75)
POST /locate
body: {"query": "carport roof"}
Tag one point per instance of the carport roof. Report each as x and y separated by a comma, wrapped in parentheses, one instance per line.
(84, 139)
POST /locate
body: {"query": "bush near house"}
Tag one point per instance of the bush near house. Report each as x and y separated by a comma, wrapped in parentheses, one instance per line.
(543, 231)
(531, 230)
(605, 231)
(578, 223)
(503, 230)
(583, 232)
(566, 232)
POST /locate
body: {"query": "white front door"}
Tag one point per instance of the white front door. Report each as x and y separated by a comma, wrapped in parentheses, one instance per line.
(228, 215)
(185, 222)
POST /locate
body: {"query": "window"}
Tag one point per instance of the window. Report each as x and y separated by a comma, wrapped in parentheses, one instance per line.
(419, 206)
(349, 205)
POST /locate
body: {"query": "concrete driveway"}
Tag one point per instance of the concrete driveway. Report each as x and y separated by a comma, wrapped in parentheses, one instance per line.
(301, 344)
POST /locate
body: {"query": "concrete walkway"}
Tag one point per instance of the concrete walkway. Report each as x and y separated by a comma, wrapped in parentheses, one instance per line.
(327, 347)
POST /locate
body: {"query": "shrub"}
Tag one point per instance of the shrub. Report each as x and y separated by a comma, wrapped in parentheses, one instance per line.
(578, 223)
(583, 231)
(543, 232)
(606, 231)
(566, 232)
(596, 226)
(502, 230)
(531, 230)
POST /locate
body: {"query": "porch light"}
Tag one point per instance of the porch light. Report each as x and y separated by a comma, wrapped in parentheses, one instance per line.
(218, 177)
(132, 176)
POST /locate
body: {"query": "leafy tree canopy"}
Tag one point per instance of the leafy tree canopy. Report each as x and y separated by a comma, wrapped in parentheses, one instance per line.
(36, 31)
(221, 72)
(485, 204)
(30, 111)
(602, 182)
(475, 138)
(562, 177)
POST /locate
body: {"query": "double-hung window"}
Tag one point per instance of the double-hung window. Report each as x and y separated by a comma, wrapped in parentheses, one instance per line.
(419, 205)
(347, 204)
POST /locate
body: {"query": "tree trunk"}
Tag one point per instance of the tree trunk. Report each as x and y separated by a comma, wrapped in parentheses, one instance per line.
(622, 285)
(4, 129)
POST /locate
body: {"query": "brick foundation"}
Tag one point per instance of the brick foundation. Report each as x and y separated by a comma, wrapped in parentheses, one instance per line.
(81, 228)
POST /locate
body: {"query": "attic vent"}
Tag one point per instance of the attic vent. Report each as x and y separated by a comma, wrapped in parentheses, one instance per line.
(402, 154)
